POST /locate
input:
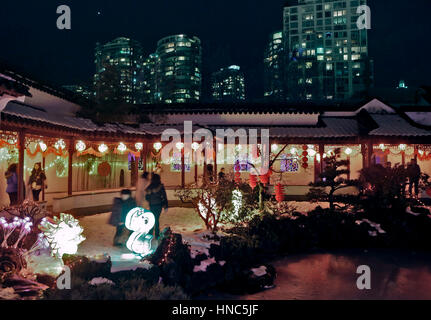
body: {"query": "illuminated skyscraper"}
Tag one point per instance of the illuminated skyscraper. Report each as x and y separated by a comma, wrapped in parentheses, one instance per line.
(274, 68)
(227, 84)
(179, 77)
(149, 80)
(326, 52)
(118, 68)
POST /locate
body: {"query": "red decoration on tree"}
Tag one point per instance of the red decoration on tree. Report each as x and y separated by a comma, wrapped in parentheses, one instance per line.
(237, 177)
(253, 181)
(279, 192)
(264, 179)
(104, 169)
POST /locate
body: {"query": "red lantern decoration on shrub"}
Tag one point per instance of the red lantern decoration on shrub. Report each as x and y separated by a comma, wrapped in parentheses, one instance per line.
(237, 177)
(253, 181)
(279, 192)
(264, 179)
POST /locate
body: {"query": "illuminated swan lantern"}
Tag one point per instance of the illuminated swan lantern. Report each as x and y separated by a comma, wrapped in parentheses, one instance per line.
(140, 221)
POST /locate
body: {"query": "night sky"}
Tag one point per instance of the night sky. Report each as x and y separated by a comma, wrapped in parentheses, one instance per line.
(232, 32)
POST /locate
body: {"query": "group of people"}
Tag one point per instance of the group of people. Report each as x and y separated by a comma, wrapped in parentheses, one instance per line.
(36, 182)
(413, 173)
(150, 195)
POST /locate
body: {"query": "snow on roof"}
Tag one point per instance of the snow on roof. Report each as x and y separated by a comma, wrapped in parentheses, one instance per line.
(395, 125)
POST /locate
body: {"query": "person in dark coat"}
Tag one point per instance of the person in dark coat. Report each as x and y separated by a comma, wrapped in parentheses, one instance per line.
(158, 201)
(414, 174)
(120, 209)
(12, 184)
(37, 180)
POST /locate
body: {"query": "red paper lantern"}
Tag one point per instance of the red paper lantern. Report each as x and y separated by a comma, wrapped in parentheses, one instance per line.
(104, 169)
(305, 148)
(279, 193)
(305, 165)
(253, 181)
(305, 159)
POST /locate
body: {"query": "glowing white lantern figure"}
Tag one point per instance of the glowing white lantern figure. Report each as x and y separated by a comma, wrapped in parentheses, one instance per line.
(43, 146)
(122, 147)
(103, 148)
(348, 151)
(195, 146)
(139, 146)
(157, 146)
(180, 145)
(140, 221)
(311, 152)
(62, 234)
(60, 144)
(80, 146)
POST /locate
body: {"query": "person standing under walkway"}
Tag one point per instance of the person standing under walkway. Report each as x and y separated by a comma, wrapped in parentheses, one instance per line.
(414, 174)
(37, 181)
(12, 184)
(158, 201)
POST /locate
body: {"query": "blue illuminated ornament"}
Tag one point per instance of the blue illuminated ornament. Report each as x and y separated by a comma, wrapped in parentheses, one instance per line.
(140, 221)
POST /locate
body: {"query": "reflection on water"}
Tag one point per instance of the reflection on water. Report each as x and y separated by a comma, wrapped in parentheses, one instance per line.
(394, 275)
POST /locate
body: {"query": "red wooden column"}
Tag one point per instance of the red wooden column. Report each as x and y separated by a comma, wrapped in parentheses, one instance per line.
(364, 156)
(370, 149)
(70, 149)
(183, 173)
(21, 148)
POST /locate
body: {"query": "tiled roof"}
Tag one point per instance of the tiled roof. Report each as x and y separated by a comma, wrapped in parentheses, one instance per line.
(395, 125)
(328, 128)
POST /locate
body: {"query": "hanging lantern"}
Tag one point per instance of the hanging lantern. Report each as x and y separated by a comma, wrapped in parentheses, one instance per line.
(180, 146)
(253, 181)
(158, 146)
(311, 152)
(305, 165)
(43, 146)
(139, 146)
(305, 154)
(195, 146)
(122, 147)
(382, 147)
(402, 147)
(274, 148)
(80, 146)
(279, 193)
(103, 148)
(348, 151)
(304, 148)
(293, 151)
(60, 144)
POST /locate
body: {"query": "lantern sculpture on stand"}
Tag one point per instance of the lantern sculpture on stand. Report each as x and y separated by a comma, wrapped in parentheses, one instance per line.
(279, 193)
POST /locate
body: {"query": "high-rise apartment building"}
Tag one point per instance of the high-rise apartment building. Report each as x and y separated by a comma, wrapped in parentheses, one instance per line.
(118, 69)
(228, 84)
(179, 77)
(326, 53)
(274, 68)
(149, 79)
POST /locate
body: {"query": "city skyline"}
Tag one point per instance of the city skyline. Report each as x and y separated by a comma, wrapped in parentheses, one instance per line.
(224, 38)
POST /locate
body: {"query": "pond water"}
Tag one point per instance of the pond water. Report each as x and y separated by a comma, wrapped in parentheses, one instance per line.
(395, 275)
